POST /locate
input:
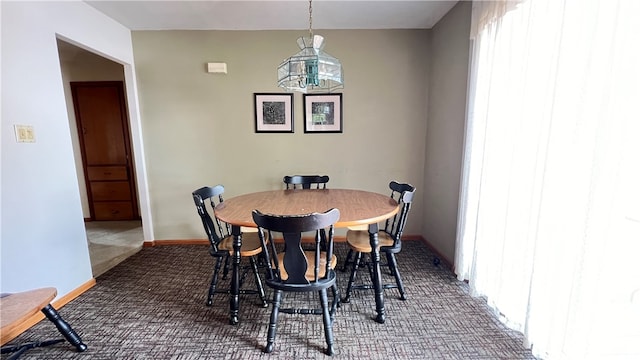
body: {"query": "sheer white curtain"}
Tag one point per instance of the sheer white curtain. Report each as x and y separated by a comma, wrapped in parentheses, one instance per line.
(549, 220)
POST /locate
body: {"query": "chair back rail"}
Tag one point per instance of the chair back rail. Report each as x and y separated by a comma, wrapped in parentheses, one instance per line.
(215, 229)
(403, 194)
(306, 181)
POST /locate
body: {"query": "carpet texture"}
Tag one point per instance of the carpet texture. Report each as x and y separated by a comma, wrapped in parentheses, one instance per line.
(152, 306)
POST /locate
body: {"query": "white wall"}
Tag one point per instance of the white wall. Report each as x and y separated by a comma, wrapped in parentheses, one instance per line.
(445, 129)
(43, 240)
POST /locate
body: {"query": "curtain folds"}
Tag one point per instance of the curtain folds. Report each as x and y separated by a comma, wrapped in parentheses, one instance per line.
(549, 219)
(489, 12)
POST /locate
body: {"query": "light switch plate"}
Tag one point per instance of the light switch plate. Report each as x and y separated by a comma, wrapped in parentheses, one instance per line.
(25, 133)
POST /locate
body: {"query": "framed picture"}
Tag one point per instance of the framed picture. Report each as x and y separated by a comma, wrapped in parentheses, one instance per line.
(274, 112)
(322, 113)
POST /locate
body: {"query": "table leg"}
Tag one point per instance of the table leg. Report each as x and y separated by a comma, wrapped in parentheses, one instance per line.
(234, 298)
(377, 283)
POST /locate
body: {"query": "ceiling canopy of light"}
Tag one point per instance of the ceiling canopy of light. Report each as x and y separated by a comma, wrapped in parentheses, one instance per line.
(311, 69)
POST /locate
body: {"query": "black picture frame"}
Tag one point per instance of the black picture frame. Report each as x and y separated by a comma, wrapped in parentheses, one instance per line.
(322, 113)
(273, 112)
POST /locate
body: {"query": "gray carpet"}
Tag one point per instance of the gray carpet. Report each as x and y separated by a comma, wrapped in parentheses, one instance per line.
(151, 306)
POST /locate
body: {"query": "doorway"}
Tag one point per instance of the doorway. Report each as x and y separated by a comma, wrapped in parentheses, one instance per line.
(108, 242)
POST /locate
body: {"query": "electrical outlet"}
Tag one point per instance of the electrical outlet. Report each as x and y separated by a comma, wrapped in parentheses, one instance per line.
(25, 133)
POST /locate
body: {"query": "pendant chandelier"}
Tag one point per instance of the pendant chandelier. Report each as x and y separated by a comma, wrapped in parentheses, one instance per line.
(310, 70)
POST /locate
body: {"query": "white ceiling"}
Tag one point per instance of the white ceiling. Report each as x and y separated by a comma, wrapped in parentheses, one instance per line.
(274, 15)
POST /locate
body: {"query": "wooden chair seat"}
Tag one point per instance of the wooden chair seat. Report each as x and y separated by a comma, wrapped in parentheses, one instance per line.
(309, 274)
(359, 241)
(250, 244)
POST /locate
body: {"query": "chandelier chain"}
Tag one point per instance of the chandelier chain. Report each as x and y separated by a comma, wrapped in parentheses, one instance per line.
(310, 20)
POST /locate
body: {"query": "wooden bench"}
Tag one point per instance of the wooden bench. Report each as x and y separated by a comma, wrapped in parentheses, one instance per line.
(17, 308)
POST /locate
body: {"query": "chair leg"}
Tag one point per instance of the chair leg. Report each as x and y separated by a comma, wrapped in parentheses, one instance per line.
(326, 319)
(225, 272)
(347, 260)
(262, 260)
(254, 265)
(336, 300)
(214, 281)
(64, 328)
(390, 263)
(271, 333)
(352, 278)
(243, 275)
(393, 264)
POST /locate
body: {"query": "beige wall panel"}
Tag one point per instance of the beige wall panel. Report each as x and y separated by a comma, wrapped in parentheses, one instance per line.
(199, 127)
(445, 133)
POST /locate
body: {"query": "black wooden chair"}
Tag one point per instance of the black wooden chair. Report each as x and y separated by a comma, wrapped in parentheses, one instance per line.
(221, 240)
(306, 181)
(298, 270)
(390, 240)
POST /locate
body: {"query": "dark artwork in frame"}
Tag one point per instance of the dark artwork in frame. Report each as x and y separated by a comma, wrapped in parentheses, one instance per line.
(273, 112)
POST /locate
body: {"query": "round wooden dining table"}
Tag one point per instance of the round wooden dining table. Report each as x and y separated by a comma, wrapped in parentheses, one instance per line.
(357, 208)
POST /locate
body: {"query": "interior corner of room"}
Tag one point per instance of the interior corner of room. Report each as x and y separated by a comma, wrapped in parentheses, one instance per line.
(182, 112)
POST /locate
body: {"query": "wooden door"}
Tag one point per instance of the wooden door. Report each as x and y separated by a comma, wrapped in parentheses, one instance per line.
(103, 129)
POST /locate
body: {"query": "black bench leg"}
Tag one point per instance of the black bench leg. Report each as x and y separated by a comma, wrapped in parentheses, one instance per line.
(64, 328)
